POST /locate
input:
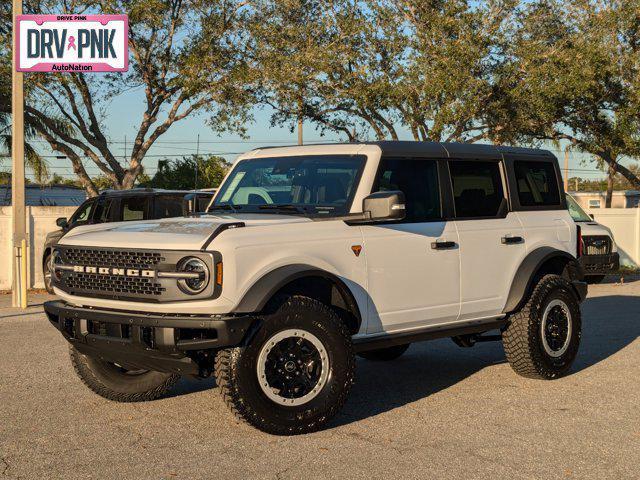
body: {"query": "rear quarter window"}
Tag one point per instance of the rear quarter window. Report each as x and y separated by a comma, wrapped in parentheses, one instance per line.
(537, 184)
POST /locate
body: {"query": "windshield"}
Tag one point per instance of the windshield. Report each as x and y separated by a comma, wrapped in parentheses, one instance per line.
(312, 184)
(576, 211)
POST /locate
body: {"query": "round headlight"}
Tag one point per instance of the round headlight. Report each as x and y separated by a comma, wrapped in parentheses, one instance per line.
(198, 283)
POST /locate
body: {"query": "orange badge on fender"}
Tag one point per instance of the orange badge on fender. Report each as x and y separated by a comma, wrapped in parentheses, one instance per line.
(356, 249)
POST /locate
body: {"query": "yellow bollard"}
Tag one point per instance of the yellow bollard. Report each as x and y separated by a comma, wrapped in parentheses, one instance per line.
(23, 274)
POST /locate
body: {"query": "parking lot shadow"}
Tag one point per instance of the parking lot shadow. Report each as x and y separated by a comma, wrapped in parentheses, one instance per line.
(610, 323)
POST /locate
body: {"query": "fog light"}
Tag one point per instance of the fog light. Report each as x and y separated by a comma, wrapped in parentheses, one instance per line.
(199, 282)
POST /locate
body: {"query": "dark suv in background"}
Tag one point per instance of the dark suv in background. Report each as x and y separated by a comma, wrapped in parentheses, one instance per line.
(121, 206)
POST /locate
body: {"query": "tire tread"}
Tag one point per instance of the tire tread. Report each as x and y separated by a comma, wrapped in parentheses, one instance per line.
(86, 375)
(225, 371)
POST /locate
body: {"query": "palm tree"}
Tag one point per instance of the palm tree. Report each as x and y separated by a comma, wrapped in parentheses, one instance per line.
(34, 161)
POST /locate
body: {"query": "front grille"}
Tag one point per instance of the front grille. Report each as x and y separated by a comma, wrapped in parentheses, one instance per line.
(126, 274)
(597, 245)
(113, 283)
(113, 258)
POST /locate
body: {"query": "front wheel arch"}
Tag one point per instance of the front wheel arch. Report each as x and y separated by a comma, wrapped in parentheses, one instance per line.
(304, 280)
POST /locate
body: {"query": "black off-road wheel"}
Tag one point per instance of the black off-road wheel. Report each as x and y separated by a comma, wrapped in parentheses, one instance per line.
(119, 384)
(593, 279)
(46, 273)
(294, 374)
(385, 354)
(542, 339)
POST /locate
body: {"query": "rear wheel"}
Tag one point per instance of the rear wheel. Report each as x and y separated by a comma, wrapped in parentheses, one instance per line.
(542, 339)
(295, 373)
(385, 354)
(115, 382)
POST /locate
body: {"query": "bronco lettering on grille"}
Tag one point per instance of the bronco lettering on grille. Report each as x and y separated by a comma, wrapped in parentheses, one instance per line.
(123, 272)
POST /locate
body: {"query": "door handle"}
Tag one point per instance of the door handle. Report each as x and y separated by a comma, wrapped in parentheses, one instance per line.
(442, 245)
(511, 240)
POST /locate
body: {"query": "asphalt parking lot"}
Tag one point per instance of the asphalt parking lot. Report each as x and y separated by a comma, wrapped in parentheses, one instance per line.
(439, 411)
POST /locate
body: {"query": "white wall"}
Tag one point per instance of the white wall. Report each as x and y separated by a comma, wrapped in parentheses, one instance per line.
(40, 221)
(625, 225)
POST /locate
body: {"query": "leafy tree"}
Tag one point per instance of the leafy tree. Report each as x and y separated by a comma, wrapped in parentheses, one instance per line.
(181, 174)
(351, 66)
(186, 56)
(572, 75)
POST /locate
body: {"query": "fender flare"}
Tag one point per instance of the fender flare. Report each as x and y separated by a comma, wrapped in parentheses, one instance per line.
(525, 275)
(255, 299)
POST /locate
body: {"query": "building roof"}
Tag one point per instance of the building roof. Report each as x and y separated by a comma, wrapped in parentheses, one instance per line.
(50, 195)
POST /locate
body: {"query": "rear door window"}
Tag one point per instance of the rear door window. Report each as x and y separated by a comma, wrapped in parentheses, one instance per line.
(166, 206)
(537, 184)
(477, 189)
(134, 208)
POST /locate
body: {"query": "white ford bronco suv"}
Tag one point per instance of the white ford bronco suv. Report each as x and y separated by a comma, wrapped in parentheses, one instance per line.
(310, 255)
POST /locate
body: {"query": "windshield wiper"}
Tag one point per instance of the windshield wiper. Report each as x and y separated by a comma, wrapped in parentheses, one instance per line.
(225, 206)
(286, 207)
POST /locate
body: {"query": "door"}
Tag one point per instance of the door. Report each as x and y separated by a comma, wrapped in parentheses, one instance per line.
(491, 238)
(412, 266)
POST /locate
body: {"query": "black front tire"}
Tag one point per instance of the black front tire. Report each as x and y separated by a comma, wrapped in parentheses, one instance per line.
(119, 384)
(46, 272)
(385, 354)
(529, 340)
(593, 279)
(237, 370)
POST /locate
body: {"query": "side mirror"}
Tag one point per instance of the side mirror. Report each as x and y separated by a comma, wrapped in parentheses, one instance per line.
(381, 206)
(62, 222)
(189, 204)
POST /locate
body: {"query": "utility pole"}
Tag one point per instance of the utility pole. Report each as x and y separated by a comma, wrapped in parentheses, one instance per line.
(566, 169)
(300, 120)
(195, 184)
(18, 266)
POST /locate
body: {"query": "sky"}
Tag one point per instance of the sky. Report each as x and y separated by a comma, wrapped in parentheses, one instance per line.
(125, 111)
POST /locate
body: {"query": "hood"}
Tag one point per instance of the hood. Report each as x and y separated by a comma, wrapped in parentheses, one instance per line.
(594, 228)
(169, 233)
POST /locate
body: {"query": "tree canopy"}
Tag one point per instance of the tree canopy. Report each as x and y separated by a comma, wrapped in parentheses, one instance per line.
(189, 173)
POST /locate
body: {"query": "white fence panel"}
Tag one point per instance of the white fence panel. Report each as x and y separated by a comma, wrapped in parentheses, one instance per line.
(625, 225)
(40, 221)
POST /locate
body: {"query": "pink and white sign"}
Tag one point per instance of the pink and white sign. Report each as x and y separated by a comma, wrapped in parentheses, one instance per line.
(72, 43)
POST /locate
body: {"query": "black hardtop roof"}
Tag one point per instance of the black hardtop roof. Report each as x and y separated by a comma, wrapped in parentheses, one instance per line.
(469, 151)
(149, 191)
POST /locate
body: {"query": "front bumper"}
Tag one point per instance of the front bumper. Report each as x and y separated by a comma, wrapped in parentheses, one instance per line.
(600, 264)
(161, 342)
